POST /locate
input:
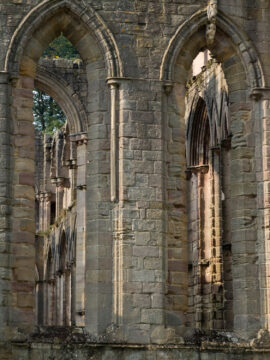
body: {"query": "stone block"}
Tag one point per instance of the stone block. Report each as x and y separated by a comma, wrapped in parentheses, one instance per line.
(25, 300)
(142, 238)
(144, 276)
(152, 316)
(141, 300)
(152, 263)
(146, 251)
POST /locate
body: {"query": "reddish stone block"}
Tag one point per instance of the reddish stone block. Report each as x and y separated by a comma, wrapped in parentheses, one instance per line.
(26, 179)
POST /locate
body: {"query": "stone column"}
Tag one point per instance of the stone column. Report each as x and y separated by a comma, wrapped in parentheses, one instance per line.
(42, 212)
(59, 195)
(67, 302)
(73, 293)
(81, 141)
(113, 84)
(47, 210)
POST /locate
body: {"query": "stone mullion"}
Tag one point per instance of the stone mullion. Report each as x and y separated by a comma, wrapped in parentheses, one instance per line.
(81, 142)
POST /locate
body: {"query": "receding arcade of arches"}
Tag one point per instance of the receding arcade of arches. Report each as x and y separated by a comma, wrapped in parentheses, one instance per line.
(81, 121)
(241, 74)
(208, 200)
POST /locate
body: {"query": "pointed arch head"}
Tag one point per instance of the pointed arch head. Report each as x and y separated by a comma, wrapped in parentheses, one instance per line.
(65, 97)
(231, 48)
(79, 23)
(198, 134)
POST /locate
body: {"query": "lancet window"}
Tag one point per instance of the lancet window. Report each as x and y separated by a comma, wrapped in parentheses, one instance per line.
(209, 247)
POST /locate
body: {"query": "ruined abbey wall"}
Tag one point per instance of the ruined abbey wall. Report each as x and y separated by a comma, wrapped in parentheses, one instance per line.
(140, 229)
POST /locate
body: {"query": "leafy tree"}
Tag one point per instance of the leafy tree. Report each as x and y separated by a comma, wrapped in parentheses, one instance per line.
(48, 116)
(61, 47)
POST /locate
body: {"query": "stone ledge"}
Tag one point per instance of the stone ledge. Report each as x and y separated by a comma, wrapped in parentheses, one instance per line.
(41, 350)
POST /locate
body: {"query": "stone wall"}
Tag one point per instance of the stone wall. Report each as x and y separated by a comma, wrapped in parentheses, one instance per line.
(128, 99)
(83, 352)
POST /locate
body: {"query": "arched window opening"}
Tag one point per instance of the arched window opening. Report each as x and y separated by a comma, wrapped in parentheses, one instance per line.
(48, 116)
(200, 61)
(60, 175)
(79, 87)
(62, 48)
(198, 136)
(208, 157)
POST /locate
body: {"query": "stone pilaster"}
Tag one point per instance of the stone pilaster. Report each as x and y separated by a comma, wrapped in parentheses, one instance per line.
(23, 210)
(5, 211)
(261, 101)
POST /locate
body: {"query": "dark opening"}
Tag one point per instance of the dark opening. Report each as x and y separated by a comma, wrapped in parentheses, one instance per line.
(53, 212)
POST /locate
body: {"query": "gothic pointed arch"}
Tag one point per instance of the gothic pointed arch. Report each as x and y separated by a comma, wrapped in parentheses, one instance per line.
(198, 135)
(229, 149)
(230, 44)
(66, 98)
(79, 23)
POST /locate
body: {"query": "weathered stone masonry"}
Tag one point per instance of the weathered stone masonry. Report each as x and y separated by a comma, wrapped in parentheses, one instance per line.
(159, 243)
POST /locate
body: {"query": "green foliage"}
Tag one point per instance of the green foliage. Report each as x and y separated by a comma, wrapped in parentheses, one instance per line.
(61, 48)
(48, 116)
